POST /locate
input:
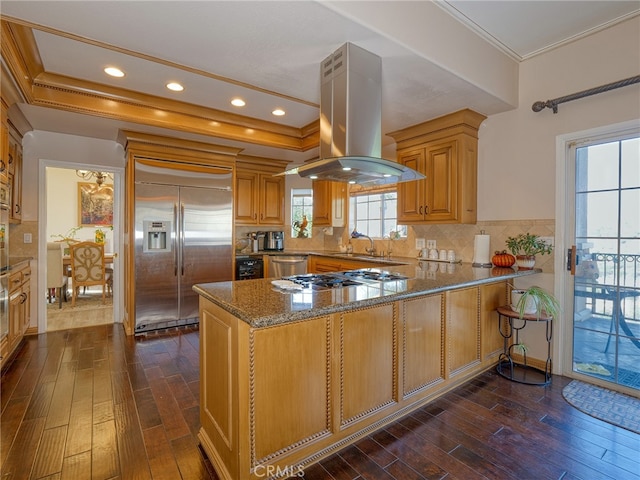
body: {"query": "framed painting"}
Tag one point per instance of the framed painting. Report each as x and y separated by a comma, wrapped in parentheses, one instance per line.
(95, 204)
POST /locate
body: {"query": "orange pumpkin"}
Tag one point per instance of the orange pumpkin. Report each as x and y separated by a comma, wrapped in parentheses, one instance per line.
(503, 259)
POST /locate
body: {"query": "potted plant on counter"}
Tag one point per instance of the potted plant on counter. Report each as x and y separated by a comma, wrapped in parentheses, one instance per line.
(534, 301)
(525, 247)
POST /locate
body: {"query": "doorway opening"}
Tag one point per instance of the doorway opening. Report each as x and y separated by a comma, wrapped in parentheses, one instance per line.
(603, 282)
(78, 208)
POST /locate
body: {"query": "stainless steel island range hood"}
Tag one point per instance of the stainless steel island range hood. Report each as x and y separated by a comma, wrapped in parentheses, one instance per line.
(350, 123)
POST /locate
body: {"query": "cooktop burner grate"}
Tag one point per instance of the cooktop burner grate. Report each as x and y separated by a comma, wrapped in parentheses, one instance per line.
(323, 281)
(344, 279)
(379, 276)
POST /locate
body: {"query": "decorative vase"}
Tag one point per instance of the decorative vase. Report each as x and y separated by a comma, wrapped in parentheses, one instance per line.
(100, 236)
(525, 262)
(530, 305)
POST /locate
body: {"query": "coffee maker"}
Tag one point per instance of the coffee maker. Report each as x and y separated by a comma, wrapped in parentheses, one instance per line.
(273, 240)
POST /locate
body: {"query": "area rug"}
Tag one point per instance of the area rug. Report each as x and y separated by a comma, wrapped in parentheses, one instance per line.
(606, 372)
(90, 300)
(612, 407)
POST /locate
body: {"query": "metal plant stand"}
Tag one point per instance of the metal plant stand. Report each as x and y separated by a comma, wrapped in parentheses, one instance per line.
(520, 371)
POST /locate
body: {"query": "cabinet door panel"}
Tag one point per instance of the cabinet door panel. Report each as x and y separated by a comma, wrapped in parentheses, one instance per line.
(423, 342)
(322, 203)
(246, 198)
(290, 366)
(442, 182)
(463, 330)
(491, 297)
(367, 353)
(272, 200)
(411, 194)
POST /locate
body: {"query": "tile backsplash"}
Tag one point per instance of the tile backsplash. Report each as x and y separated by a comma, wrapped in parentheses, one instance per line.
(459, 238)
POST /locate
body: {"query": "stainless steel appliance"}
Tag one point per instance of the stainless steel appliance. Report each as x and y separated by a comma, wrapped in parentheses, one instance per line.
(248, 268)
(326, 281)
(351, 123)
(273, 240)
(183, 236)
(287, 265)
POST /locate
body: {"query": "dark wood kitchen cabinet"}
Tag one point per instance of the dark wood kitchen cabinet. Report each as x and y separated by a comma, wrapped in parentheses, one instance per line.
(445, 150)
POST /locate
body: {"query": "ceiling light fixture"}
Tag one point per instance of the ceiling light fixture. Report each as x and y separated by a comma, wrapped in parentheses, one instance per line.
(278, 112)
(238, 102)
(174, 86)
(100, 176)
(114, 72)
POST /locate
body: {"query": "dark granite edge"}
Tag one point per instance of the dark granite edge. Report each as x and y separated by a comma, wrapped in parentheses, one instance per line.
(271, 320)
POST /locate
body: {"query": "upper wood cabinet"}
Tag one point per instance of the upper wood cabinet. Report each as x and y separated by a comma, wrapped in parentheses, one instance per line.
(4, 145)
(14, 175)
(445, 150)
(330, 203)
(259, 195)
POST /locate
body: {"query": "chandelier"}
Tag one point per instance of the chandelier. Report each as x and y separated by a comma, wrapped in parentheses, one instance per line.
(99, 176)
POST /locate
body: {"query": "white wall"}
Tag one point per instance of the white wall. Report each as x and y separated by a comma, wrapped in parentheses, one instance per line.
(62, 207)
(517, 158)
(39, 145)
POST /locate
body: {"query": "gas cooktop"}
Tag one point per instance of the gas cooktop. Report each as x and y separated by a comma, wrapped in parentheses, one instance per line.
(344, 279)
(376, 275)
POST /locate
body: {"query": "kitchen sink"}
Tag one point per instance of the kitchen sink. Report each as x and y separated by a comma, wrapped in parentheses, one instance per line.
(358, 255)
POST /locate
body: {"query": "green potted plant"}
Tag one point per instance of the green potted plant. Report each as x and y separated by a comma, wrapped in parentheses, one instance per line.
(534, 301)
(525, 247)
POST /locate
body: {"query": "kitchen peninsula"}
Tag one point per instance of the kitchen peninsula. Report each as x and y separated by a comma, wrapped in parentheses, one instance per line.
(291, 376)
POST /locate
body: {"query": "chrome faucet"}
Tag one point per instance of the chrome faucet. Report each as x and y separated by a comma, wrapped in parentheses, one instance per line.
(372, 249)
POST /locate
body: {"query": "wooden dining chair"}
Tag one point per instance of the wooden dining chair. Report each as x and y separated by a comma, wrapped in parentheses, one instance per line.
(87, 267)
(56, 278)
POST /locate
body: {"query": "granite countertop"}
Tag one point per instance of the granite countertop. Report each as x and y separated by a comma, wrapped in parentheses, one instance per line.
(17, 262)
(261, 304)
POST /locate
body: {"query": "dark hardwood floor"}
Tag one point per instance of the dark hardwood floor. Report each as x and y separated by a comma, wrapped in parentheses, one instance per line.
(92, 403)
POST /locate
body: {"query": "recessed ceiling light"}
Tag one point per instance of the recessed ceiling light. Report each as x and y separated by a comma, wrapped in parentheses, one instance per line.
(278, 112)
(352, 182)
(346, 169)
(238, 102)
(387, 175)
(313, 177)
(114, 72)
(176, 87)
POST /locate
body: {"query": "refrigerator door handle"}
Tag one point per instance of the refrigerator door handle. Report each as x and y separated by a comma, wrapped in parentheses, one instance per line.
(182, 224)
(175, 250)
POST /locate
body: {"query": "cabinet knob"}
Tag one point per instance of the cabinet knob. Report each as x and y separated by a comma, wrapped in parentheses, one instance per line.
(420, 210)
(426, 209)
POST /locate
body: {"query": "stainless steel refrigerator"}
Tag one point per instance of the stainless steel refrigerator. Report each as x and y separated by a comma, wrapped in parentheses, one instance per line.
(183, 223)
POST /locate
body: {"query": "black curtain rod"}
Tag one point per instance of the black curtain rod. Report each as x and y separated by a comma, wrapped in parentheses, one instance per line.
(539, 106)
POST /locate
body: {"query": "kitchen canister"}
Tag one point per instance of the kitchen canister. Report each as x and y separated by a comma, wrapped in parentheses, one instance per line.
(481, 250)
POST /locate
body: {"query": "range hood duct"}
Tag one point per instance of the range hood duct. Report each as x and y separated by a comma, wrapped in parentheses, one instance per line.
(350, 123)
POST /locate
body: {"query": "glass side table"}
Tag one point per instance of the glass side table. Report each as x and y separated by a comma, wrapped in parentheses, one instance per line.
(520, 371)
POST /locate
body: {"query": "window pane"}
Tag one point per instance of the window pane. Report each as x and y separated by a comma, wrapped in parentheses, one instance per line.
(375, 215)
(630, 213)
(301, 213)
(631, 163)
(597, 167)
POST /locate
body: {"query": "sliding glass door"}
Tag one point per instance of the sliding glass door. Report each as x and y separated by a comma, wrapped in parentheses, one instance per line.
(606, 261)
